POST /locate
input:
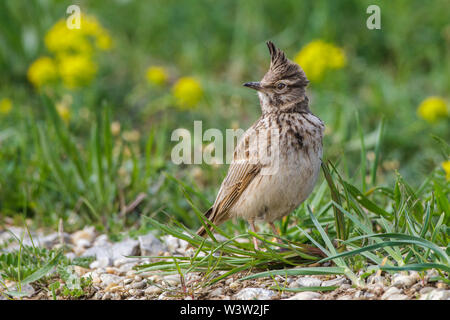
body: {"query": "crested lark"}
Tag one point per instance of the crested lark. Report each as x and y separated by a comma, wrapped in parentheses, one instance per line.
(288, 135)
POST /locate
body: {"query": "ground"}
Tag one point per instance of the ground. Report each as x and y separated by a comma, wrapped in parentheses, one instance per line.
(113, 276)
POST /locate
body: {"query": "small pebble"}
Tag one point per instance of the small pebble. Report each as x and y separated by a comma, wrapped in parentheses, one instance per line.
(333, 282)
(346, 286)
(107, 296)
(234, 285)
(397, 296)
(426, 290)
(151, 290)
(369, 295)
(374, 278)
(138, 292)
(345, 297)
(436, 294)
(305, 295)
(402, 281)
(172, 280)
(120, 261)
(255, 294)
(308, 282)
(98, 295)
(376, 288)
(107, 279)
(154, 278)
(138, 285)
(112, 287)
(441, 285)
(389, 292)
(80, 270)
(100, 263)
(216, 292)
(111, 270)
(131, 273)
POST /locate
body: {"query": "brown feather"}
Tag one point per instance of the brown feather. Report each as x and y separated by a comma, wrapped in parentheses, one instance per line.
(201, 231)
(239, 176)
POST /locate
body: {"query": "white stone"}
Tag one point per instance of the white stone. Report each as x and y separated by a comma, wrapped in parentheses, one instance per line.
(149, 245)
(402, 281)
(345, 297)
(255, 294)
(87, 235)
(333, 282)
(308, 282)
(376, 288)
(389, 292)
(397, 296)
(108, 279)
(102, 262)
(374, 278)
(25, 289)
(139, 285)
(216, 292)
(173, 279)
(234, 285)
(306, 295)
(153, 290)
(436, 294)
(102, 240)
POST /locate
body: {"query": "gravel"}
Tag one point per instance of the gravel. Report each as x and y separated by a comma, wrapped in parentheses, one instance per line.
(114, 278)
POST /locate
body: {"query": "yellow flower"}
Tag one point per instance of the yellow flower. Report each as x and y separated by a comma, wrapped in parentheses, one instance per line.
(446, 166)
(63, 111)
(61, 39)
(187, 92)
(432, 109)
(319, 56)
(157, 75)
(5, 106)
(42, 71)
(76, 70)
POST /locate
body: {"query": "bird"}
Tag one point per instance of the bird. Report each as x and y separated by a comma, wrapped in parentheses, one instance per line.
(266, 188)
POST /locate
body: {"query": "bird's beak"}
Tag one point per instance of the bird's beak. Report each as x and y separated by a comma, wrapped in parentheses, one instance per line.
(253, 85)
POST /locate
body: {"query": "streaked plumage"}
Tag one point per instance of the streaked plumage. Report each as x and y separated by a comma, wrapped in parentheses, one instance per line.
(260, 188)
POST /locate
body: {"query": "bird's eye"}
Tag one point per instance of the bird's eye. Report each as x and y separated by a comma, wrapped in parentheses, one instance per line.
(281, 86)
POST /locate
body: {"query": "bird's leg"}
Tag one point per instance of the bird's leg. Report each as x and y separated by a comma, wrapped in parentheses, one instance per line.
(275, 232)
(253, 228)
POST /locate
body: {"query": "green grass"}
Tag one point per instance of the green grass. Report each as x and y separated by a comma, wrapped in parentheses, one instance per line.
(35, 265)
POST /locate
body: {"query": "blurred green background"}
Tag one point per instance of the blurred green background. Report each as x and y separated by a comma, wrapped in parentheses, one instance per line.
(101, 142)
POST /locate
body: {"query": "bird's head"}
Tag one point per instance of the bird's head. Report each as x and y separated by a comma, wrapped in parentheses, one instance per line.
(283, 86)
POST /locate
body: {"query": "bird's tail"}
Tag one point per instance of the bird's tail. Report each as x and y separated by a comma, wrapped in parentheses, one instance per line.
(202, 231)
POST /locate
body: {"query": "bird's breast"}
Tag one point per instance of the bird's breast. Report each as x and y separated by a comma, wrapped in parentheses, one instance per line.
(290, 172)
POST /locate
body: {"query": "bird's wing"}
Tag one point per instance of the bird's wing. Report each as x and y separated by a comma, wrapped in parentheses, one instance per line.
(243, 169)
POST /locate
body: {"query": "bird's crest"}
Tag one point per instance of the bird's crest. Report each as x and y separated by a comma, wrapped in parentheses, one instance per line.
(280, 66)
